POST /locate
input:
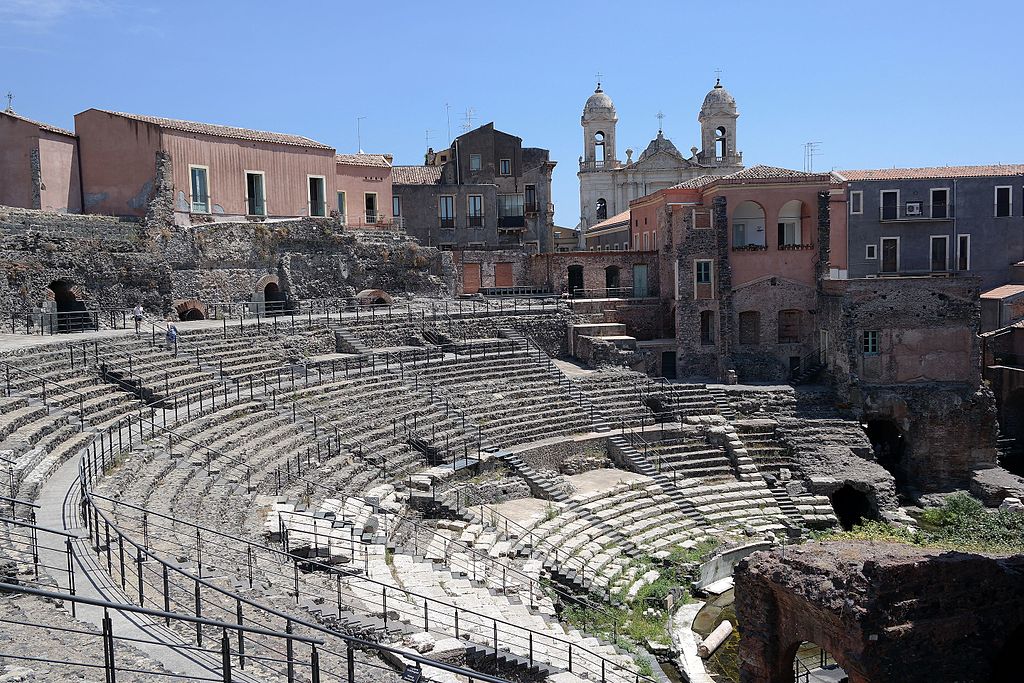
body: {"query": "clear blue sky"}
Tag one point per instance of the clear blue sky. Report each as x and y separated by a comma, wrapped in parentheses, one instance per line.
(877, 83)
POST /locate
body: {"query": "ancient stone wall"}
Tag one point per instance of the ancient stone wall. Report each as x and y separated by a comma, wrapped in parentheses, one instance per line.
(553, 269)
(885, 612)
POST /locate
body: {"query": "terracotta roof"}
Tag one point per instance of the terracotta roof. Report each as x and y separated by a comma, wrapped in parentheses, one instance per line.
(934, 172)
(377, 160)
(416, 175)
(762, 172)
(1003, 292)
(223, 131)
(42, 126)
(696, 183)
(609, 222)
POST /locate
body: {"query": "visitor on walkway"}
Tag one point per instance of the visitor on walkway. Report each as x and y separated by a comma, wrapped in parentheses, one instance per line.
(172, 338)
(137, 314)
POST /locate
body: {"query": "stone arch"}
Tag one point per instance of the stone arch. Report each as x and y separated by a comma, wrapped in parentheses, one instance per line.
(69, 307)
(748, 225)
(266, 280)
(374, 297)
(852, 506)
(190, 309)
(809, 656)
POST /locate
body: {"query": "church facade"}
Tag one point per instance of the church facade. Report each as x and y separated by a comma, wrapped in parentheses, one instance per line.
(607, 185)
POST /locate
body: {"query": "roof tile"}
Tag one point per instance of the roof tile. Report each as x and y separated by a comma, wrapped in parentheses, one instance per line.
(223, 131)
(416, 175)
(42, 126)
(934, 172)
(376, 160)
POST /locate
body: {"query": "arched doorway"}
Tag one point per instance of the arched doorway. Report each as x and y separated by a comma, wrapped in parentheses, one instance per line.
(611, 281)
(575, 279)
(748, 225)
(71, 314)
(889, 445)
(273, 298)
(191, 314)
(852, 506)
(813, 664)
(1006, 666)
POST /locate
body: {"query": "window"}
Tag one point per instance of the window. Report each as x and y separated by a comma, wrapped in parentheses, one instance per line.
(870, 252)
(475, 210)
(940, 202)
(939, 253)
(789, 223)
(890, 255)
(707, 328)
(341, 206)
(750, 328)
(599, 149)
(890, 205)
(200, 189)
(636, 242)
(370, 204)
(531, 199)
(856, 202)
(654, 239)
(474, 162)
(625, 246)
(446, 210)
(317, 195)
(602, 209)
(869, 341)
(720, 147)
(739, 234)
(396, 206)
(647, 241)
(505, 166)
(703, 273)
(789, 327)
(963, 252)
(1004, 202)
(510, 211)
(255, 198)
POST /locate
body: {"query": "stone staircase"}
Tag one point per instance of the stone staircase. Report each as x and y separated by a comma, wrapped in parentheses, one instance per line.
(346, 342)
(637, 462)
(722, 403)
(541, 485)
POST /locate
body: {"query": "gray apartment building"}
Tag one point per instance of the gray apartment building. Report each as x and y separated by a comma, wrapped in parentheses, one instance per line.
(611, 234)
(931, 221)
(486, 190)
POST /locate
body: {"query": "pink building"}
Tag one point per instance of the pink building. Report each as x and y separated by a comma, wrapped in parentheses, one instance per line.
(38, 165)
(363, 195)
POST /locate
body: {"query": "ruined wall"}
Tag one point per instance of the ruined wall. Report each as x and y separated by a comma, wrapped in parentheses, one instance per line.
(885, 612)
(553, 269)
(518, 259)
(769, 359)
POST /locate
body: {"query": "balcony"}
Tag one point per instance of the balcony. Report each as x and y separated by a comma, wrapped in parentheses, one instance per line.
(511, 222)
(476, 221)
(447, 223)
(915, 212)
(371, 220)
(599, 165)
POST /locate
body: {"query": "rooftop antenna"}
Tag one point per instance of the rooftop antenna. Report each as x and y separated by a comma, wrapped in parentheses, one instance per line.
(359, 133)
(661, 121)
(427, 134)
(467, 119)
(810, 151)
(10, 101)
(448, 113)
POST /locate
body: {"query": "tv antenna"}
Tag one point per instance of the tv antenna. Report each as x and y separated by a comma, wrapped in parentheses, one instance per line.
(10, 101)
(467, 119)
(810, 151)
(359, 133)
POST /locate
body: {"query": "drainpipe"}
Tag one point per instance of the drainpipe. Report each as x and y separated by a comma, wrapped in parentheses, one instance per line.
(956, 237)
(81, 183)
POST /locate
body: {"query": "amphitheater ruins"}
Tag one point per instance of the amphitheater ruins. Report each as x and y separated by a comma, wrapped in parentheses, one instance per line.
(336, 470)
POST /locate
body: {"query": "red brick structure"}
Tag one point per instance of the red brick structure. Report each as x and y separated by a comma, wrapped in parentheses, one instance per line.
(887, 613)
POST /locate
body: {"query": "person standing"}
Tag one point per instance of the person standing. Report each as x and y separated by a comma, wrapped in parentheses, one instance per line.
(137, 313)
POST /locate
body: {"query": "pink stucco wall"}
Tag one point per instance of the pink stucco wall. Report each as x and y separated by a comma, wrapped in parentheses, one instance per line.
(356, 180)
(17, 139)
(286, 169)
(118, 160)
(58, 156)
(797, 265)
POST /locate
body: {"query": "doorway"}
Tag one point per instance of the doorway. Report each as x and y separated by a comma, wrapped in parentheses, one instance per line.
(668, 365)
(640, 280)
(575, 280)
(890, 255)
(317, 196)
(852, 507)
(71, 313)
(611, 281)
(274, 299)
(889, 446)
(255, 196)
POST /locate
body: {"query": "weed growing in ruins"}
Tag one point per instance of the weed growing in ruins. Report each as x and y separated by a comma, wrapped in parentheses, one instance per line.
(961, 523)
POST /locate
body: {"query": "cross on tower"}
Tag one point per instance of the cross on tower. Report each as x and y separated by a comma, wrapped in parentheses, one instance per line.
(598, 76)
(718, 76)
(661, 120)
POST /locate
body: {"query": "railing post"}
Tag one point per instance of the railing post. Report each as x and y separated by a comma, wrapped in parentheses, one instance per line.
(108, 648)
(225, 656)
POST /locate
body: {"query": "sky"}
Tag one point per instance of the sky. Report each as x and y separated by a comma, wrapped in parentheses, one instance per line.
(877, 84)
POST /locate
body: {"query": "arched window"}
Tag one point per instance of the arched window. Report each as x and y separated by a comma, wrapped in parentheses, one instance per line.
(599, 147)
(790, 232)
(720, 143)
(602, 209)
(748, 225)
(750, 328)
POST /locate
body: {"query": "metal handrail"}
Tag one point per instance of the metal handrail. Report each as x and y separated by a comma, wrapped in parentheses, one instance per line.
(86, 473)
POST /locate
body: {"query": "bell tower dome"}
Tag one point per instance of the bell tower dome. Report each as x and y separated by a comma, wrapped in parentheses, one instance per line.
(717, 120)
(598, 123)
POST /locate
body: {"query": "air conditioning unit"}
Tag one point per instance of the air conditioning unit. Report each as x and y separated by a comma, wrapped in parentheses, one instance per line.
(913, 208)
